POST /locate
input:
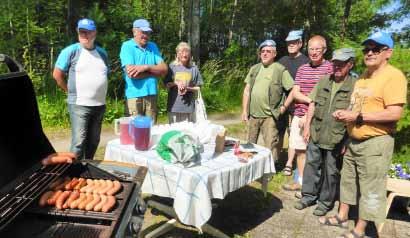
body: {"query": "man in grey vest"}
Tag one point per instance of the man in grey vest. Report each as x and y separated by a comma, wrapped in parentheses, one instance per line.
(266, 85)
(326, 135)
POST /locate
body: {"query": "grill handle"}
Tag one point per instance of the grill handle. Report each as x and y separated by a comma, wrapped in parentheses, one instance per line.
(13, 65)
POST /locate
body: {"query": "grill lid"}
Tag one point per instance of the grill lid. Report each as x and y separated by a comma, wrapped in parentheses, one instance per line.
(22, 140)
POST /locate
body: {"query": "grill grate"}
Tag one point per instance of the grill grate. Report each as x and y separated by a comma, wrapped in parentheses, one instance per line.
(12, 203)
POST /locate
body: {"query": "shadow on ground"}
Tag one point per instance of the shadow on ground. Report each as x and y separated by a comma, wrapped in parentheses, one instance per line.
(237, 214)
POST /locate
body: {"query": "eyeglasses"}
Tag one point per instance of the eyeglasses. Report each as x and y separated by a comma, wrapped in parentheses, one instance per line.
(375, 50)
(267, 51)
(315, 49)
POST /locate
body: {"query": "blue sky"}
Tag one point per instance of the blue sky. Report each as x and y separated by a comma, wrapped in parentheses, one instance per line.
(396, 25)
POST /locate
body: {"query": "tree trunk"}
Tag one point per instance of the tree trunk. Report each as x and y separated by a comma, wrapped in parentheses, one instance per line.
(182, 20)
(230, 36)
(194, 29)
(13, 52)
(345, 18)
(28, 48)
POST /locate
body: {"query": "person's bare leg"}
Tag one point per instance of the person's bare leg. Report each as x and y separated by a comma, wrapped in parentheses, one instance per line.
(291, 155)
(342, 214)
(300, 162)
(360, 227)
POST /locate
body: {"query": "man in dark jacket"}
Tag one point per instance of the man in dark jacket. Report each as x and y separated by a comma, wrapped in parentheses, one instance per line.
(326, 135)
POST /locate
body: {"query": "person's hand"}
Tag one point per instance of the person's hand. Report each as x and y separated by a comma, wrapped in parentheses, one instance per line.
(59, 158)
(345, 115)
(306, 133)
(302, 122)
(135, 70)
(244, 116)
(182, 89)
(282, 109)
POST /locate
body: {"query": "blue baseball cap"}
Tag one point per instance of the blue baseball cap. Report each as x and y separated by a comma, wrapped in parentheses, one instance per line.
(381, 38)
(267, 43)
(142, 24)
(294, 35)
(86, 24)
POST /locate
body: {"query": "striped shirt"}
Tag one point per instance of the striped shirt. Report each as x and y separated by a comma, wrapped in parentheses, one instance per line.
(306, 78)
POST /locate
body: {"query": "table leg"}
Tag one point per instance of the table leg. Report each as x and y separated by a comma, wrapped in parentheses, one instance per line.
(265, 180)
(166, 227)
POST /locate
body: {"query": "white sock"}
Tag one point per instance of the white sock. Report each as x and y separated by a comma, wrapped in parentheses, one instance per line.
(300, 180)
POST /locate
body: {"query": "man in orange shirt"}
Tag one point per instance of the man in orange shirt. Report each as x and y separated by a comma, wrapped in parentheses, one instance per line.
(376, 105)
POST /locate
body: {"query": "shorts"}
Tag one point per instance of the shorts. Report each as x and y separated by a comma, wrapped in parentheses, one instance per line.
(296, 140)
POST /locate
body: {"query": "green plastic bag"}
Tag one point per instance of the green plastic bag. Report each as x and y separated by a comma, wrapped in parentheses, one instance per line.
(179, 147)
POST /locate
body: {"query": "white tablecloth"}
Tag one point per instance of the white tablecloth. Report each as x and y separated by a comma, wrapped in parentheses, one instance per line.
(192, 188)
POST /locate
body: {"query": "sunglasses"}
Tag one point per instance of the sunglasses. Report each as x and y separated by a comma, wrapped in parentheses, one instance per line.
(375, 50)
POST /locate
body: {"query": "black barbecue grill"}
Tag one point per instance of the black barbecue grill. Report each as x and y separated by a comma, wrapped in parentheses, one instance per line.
(23, 179)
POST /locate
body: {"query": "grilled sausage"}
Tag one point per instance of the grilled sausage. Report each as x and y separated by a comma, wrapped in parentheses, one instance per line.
(42, 202)
(81, 183)
(61, 199)
(74, 204)
(109, 185)
(90, 183)
(90, 188)
(109, 204)
(102, 186)
(98, 207)
(73, 196)
(61, 186)
(116, 187)
(52, 200)
(89, 198)
(95, 201)
(68, 154)
(71, 184)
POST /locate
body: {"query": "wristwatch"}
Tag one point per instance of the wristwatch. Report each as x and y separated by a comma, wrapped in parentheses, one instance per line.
(359, 119)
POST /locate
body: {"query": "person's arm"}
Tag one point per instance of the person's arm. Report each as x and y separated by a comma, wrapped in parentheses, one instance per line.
(144, 71)
(300, 97)
(59, 77)
(309, 116)
(391, 113)
(245, 99)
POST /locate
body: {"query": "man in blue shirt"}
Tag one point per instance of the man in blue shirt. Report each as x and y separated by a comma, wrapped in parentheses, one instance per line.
(86, 66)
(142, 64)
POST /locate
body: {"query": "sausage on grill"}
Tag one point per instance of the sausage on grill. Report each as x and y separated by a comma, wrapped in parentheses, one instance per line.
(109, 185)
(52, 200)
(71, 184)
(95, 201)
(98, 207)
(115, 188)
(73, 196)
(83, 203)
(109, 204)
(61, 186)
(81, 183)
(61, 199)
(43, 199)
(74, 204)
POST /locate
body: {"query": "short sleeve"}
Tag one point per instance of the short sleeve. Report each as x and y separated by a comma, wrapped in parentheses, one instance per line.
(63, 59)
(298, 75)
(126, 55)
(198, 77)
(248, 76)
(169, 77)
(395, 90)
(157, 54)
(287, 80)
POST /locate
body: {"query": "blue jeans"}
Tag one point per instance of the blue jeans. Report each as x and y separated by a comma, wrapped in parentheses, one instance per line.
(86, 124)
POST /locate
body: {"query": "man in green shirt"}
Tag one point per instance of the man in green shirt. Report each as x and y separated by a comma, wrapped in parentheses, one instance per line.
(264, 93)
(326, 135)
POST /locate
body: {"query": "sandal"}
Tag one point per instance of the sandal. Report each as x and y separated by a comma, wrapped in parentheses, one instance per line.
(339, 222)
(287, 171)
(352, 233)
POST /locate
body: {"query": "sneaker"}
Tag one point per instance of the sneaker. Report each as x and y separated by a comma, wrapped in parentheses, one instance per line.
(320, 212)
(300, 205)
(292, 187)
(298, 195)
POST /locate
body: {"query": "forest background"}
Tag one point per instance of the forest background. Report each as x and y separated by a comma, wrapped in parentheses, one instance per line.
(224, 35)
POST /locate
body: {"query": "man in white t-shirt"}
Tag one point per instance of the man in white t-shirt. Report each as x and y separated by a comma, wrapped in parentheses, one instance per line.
(86, 67)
